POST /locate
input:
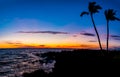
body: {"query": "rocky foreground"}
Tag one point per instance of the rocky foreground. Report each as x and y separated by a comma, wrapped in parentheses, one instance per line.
(81, 63)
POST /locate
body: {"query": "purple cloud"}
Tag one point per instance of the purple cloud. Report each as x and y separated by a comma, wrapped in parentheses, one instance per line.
(10, 42)
(49, 32)
(92, 41)
(115, 37)
(87, 34)
(74, 35)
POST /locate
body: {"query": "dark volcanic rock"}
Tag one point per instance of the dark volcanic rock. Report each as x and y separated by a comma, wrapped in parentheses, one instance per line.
(79, 63)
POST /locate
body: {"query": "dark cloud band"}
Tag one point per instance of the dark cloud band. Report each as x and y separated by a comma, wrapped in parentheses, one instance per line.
(115, 37)
(87, 34)
(49, 32)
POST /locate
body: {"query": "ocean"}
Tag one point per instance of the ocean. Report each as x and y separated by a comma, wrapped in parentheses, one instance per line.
(15, 62)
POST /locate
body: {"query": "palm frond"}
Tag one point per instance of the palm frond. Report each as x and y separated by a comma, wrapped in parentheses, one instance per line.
(93, 8)
(106, 14)
(84, 13)
(110, 15)
(117, 18)
(92, 3)
(98, 7)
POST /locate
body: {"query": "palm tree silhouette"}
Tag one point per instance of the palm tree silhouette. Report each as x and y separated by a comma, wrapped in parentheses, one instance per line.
(110, 16)
(93, 8)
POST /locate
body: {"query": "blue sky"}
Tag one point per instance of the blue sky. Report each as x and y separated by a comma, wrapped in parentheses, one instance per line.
(54, 15)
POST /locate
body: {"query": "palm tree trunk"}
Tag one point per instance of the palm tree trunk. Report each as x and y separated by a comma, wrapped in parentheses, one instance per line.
(96, 32)
(107, 35)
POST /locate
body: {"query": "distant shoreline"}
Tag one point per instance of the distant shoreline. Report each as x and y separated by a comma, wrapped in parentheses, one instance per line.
(61, 49)
(44, 48)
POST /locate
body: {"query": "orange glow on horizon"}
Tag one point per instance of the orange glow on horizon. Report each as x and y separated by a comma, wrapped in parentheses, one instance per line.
(69, 45)
(52, 42)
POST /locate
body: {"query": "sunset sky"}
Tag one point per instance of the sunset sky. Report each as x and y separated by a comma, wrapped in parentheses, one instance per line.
(55, 24)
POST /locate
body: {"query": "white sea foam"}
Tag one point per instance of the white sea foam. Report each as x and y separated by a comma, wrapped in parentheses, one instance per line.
(15, 62)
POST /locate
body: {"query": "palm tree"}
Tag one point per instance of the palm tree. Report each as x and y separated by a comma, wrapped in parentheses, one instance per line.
(93, 8)
(110, 16)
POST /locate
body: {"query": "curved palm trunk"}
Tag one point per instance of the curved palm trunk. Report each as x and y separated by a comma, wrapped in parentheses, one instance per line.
(96, 32)
(107, 35)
